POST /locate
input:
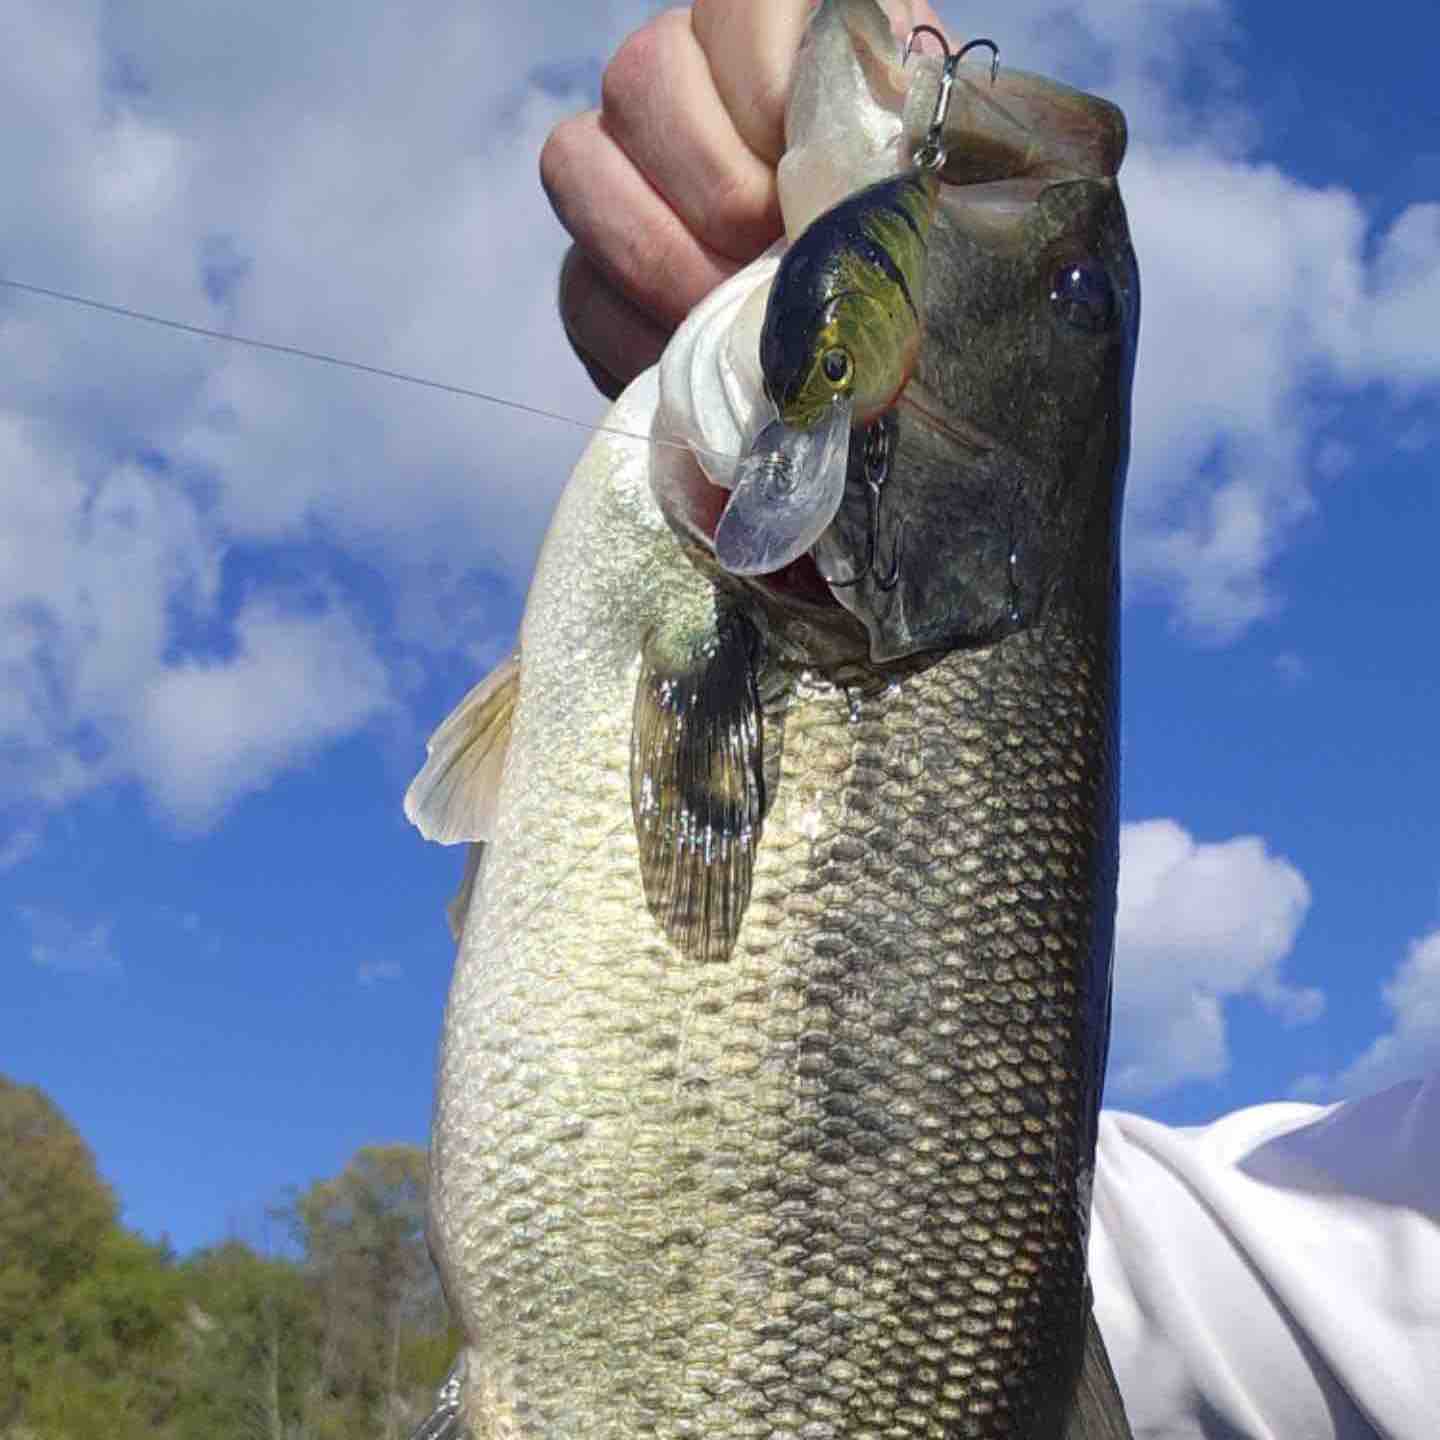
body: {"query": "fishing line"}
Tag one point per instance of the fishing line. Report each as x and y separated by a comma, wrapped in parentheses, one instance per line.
(385, 374)
(548, 893)
(321, 357)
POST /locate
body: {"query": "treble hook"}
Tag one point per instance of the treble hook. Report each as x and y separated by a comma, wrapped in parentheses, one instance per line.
(931, 154)
(879, 440)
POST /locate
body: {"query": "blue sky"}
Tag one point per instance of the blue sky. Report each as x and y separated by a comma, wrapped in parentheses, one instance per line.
(237, 592)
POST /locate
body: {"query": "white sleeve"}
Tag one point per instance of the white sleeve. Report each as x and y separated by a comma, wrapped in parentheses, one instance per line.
(1275, 1275)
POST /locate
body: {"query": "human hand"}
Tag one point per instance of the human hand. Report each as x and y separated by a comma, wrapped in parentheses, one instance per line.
(669, 187)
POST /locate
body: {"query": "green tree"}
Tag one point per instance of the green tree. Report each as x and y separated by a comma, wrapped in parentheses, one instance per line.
(55, 1215)
(250, 1339)
(104, 1357)
(54, 1208)
(102, 1333)
(384, 1334)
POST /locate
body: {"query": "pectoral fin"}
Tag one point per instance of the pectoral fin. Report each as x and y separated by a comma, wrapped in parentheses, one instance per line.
(697, 786)
(454, 797)
(459, 906)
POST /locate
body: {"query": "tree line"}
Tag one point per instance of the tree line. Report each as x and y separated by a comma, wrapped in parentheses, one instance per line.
(105, 1333)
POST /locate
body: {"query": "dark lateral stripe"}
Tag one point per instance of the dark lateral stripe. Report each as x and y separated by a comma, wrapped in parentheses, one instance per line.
(881, 258)
(900, 208)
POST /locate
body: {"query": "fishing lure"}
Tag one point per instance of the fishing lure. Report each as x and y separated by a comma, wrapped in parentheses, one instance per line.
(838, 345)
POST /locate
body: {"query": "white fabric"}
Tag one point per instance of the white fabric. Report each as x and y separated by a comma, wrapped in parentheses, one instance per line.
(1275, 1275)
(712, 392)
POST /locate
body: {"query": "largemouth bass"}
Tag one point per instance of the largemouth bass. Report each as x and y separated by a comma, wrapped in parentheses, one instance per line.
(773, 1057)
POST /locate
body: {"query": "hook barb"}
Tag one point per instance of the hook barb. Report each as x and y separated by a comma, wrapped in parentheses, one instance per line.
(931, 154)
(980, 44)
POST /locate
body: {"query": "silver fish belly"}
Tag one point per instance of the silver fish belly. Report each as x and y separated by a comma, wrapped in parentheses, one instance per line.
(772, 1062)
(831, 1186)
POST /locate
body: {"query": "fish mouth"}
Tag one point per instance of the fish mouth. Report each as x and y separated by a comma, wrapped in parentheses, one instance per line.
(977, 523)
(825, 573)
(694, 504)
(825, 578)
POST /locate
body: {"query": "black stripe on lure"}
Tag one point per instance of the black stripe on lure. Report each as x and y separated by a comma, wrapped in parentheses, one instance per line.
(838, 345)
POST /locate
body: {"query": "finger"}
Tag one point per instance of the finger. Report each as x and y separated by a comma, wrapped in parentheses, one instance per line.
(624, 224)
(613, 339)
(750, 46)
(906, 14)
(921, 13)
(660, 103)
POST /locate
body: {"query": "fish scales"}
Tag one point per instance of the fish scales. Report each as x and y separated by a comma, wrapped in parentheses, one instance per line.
(771, 1069)
(820, 1189)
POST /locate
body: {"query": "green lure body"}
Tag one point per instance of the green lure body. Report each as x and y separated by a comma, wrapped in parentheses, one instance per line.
(843, 320)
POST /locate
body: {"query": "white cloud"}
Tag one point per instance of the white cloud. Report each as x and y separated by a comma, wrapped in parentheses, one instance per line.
(1197, 924)
(1411, 1046)
(207, 732)
(95, 577)
(1389, 327)
(335, 179)
(58, 943)
(343, 178)
(1238, 267)
(17, 847)
(374, 972)
(1256, 289)
(89, 570)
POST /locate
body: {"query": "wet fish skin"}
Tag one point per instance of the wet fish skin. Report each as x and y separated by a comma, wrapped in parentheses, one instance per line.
(833, 1183)
(837, 1184)
(1014, 435)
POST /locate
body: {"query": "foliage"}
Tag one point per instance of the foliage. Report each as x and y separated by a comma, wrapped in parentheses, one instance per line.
(54, 1207)
(363, 1235)
(250, 1337)
(103, 1358)
(105, 1333)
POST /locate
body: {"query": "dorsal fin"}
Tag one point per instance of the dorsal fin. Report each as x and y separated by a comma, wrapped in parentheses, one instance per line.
(697, 785)
(453, 798)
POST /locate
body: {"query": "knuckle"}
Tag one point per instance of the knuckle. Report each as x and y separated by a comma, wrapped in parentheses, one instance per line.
(560, 153)
(625, 77)
(735, 212)
(630, 78)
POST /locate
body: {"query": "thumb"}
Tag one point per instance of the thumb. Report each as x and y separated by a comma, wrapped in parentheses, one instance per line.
(751, 47)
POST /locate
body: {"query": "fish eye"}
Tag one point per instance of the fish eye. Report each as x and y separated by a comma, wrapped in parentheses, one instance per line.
(836, 365)
(1082, 296)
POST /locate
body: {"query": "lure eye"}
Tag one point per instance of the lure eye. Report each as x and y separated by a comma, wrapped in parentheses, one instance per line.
(836, 365)
(1082, 297)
